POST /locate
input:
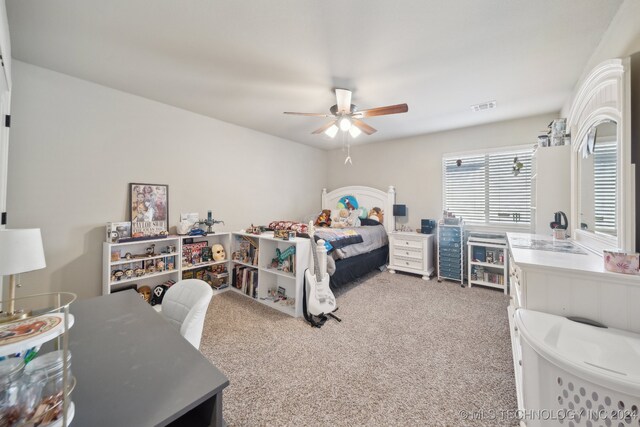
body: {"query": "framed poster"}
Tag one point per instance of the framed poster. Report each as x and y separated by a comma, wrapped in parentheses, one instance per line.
(149, 207)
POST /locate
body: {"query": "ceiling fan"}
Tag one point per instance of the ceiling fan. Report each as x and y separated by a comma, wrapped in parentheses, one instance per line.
(345, 116)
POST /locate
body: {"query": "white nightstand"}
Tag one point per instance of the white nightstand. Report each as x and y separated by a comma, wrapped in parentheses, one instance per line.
(411, 252)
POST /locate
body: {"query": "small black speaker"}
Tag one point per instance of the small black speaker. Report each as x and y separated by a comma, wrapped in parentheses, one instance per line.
(427, 226)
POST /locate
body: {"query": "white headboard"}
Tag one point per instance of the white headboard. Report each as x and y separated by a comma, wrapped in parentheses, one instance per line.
(367, 197)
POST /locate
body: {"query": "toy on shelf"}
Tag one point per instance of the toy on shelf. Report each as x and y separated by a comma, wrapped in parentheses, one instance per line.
(209, 222)
(219, 253)
(285, 261)
(254, 229)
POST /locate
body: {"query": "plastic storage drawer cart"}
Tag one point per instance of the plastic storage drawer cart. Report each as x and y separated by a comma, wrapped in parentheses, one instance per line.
(581, 375)
(451, 252)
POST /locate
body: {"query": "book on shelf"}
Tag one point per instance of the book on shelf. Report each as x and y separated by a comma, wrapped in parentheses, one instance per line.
(245, 279)
(479, 253)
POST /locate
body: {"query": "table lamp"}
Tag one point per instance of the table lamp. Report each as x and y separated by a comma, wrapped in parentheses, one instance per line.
(398, 210)
(20, 251)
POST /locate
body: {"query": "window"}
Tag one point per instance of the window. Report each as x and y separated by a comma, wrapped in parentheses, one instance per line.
(483, 189)
(604, 186)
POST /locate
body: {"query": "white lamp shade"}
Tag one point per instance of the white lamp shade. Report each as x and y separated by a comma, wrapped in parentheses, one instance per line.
(345, 124)
(332, 131)
(21, 251)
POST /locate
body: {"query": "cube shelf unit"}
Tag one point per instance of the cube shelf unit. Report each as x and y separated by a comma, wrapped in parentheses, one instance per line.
(189, 270)
(451, 252)
(269, 278)
(489, 255)
(138, 248)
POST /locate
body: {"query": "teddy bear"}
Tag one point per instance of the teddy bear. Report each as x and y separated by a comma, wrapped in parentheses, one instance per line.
(377, 214)
(324, 219)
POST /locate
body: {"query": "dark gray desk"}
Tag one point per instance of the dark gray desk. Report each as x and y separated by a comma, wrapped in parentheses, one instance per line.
(134, 369)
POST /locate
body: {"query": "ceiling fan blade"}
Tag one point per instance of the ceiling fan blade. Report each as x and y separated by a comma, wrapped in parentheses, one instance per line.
(363, 126)
(309, 114)
(324, 127)
(382, 111)
(343, 98)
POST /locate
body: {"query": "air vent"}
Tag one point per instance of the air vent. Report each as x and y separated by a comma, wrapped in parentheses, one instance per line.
(484, 106)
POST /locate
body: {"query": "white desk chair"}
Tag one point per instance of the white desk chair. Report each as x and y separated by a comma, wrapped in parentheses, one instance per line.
(185, 306)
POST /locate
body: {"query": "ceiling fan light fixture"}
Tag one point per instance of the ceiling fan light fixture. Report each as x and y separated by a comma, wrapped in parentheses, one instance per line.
(332, 131)
(345, 124)
(354, 132)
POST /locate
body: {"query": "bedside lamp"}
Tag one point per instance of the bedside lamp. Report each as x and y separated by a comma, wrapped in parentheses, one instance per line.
(398, 210)
(20, 251)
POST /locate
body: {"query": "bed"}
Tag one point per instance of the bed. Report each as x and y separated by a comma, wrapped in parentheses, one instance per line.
(356, 263)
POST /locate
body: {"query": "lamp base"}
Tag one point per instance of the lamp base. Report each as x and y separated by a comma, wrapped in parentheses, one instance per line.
(12, 317)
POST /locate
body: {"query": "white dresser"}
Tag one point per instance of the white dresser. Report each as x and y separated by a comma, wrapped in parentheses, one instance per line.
(566, 284)
(411, 253)
(569, 284)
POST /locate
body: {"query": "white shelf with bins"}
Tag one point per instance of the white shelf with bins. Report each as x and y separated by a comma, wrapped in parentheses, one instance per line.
(497, 267)
(270, 278)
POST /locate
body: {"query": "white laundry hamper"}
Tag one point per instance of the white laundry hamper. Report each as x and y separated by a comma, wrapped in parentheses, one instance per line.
(576, 374)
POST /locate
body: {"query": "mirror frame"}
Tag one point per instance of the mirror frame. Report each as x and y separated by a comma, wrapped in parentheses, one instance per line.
(605, 95)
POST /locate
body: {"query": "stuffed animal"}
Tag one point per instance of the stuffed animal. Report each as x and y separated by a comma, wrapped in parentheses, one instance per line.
(377, 214)
(345, 218)
(341, 220)
(324, 219)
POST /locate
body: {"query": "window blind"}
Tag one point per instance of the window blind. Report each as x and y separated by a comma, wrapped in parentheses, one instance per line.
(484, 190)
(509, 194)
(604, 183)
(464, 187)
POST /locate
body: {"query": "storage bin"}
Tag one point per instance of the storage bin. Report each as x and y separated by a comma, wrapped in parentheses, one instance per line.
(591, 374)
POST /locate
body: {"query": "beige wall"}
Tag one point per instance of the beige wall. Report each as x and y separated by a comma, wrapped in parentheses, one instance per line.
(76, 145)
(414, 165)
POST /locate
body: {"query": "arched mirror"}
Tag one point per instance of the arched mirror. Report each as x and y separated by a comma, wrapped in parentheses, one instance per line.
(602, 180)
(598, 174)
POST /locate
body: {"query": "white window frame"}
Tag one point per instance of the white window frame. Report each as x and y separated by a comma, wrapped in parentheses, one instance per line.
(522, 227)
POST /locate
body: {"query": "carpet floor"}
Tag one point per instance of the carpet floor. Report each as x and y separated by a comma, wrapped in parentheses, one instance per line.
(407, 353)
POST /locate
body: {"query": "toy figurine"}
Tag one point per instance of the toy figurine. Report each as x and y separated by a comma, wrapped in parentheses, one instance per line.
(128, 273)
(139, 272)
(145, 293)
(160, 265)
(117, 275)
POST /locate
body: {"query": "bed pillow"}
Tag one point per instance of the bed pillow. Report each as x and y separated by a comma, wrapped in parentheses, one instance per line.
(368, 221)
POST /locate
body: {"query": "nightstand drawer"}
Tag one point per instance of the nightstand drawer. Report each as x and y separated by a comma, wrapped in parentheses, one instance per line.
(417, 244)
(407, 252)
(408, 263)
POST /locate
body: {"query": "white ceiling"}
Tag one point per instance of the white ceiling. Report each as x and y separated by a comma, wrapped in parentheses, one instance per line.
(245, 62)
